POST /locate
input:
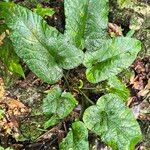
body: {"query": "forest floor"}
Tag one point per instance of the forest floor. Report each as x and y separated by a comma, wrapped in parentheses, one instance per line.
(26, 95)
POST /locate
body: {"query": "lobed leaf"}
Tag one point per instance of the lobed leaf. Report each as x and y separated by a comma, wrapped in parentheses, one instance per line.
(77, 138)
(113, 122)
(114, 56)
(57, 105)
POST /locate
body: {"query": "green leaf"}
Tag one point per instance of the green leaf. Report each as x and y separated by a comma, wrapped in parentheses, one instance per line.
(1, 148)
(113, 122)
(7, 54)
(76, 139)
(66, 55)
(76, 14)
(114, 56)
(118, 88)
(44, 11)
(9, 148)
(97, 24)
(57, 105)
(86, 21)
(6, 0)
(125, 3)
(42, 47)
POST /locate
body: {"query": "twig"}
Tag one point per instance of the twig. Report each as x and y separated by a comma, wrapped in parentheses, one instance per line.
(91, 102)
(67, 82)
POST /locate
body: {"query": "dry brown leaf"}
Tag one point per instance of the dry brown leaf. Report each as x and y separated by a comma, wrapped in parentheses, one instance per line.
(2, 91)
(2, 37)
(114, 29)
(137, 82)
(131, 100)
(17, 108)
(139, 66)
(143, 92)
(148, 85)
(14, 109)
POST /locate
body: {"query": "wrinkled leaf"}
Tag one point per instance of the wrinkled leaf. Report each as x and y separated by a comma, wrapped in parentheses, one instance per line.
(76, 13)
(114, 56)
(117, 87)
(7, 54)
(38, 44)
(97, 22)
(57, 105)
(76, 139)
(66, 55)
(113, 122)
(44, 11)
(86, 21)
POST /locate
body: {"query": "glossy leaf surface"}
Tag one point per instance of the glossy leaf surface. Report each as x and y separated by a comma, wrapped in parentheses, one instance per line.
(42, 47)
(113, 122)
(117, 87)
(114, 56)
(57, 105)
(86, 22)
(77, 138)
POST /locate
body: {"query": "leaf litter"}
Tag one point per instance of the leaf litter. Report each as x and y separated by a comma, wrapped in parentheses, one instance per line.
(12, 110)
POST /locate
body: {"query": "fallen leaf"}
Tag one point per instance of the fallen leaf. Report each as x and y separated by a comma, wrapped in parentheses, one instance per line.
(12, 110)
(131, 100)
(2, 91)
(114, 30)
(139, 84)
(139, 66)
(148, 85)
(143, 92)
(2, 37)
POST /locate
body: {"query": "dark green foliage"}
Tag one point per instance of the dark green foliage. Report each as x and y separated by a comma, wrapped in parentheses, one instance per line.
(113, 122)
(77, 138)
(57, 105)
